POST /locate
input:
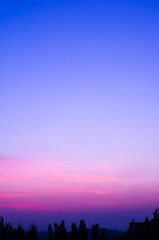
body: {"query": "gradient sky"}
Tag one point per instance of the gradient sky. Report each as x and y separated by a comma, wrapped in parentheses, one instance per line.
(79, 119)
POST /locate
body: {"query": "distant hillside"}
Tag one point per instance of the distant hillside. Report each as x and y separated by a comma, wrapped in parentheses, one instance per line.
(112, 233)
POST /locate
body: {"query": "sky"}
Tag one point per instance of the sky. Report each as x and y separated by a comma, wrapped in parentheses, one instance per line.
(79, 120)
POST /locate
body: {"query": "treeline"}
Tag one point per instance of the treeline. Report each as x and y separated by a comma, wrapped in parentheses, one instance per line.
(136, 231)
(7, 232)
(77, 233)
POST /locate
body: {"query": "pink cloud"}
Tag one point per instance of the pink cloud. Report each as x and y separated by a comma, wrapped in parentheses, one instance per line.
(67, 187)
(13, 195)
(22, 206)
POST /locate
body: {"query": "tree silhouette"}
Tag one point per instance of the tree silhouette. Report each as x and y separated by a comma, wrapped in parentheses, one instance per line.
(74, 231)
(19, 233)
(103, 236)
(60, 231)
(50, 232)
(95, 232)
(8, 232)
(82, 231)
(56, 236)
(2, 229)
(32, 233)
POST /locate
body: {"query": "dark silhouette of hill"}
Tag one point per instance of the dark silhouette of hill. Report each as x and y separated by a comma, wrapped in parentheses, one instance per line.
(110, 233)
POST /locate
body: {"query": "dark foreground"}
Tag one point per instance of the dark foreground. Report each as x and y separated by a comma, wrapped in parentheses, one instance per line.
(147, 230)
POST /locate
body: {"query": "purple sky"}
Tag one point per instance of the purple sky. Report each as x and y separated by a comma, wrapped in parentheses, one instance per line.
(79, 100)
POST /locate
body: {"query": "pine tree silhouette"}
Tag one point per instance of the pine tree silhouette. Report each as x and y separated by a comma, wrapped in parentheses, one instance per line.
(74, 231)
(82, 231)
(50, 232)
(95, 232)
